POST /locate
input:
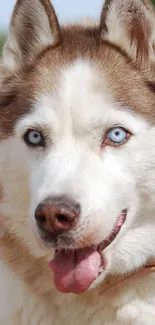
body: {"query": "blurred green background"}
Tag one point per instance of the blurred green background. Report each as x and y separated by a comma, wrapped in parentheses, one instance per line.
(2, 40)
(3, 36)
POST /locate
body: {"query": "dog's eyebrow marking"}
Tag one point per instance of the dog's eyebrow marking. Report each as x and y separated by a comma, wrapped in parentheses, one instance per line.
(151, 86)
(7, 99)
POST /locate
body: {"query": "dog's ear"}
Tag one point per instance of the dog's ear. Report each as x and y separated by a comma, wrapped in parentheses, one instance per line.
(34, 26)
(130, 25)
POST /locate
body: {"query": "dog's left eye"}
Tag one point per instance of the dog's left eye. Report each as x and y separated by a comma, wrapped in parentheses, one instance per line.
(34, 138)
(117, 136)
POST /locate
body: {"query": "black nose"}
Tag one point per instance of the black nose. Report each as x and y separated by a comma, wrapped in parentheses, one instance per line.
(57, 214)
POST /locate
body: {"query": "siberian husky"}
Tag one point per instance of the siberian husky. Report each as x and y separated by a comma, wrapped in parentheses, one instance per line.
(77, 167)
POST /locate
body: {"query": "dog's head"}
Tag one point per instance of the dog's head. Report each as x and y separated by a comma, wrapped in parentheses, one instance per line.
(77, 133)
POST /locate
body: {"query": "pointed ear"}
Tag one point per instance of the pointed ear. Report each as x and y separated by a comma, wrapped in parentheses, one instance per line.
(34, 26)
(130, 24)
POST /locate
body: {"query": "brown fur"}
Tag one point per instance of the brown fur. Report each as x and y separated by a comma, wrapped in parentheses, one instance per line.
(75, 42)
(44, 74)
(135, 20)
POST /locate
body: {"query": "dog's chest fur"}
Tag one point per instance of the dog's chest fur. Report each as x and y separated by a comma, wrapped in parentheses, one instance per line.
(19, 306)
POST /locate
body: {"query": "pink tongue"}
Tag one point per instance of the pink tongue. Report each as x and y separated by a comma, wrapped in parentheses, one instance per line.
(75, 270)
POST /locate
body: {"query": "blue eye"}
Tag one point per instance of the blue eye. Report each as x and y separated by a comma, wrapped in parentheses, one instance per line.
(34, 138)
(118, 135)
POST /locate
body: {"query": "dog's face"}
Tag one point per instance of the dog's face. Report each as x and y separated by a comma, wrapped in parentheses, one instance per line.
(77, 140)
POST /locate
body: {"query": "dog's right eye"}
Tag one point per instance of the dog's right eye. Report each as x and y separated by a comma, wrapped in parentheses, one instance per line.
(34, 138)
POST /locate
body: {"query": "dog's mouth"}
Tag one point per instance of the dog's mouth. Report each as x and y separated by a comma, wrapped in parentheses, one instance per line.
(75, 270)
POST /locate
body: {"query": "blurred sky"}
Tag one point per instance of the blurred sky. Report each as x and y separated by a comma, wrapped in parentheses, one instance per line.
(67, 10)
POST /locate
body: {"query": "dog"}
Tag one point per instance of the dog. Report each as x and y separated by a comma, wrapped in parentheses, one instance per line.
(77, 167)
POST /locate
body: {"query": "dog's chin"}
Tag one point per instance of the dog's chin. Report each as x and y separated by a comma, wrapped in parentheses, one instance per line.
(77, 270)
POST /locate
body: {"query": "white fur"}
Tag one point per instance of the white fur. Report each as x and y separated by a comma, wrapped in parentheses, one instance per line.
(103, 180)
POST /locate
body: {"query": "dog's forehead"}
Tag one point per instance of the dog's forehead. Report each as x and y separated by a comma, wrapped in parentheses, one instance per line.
(78, 96)
(104, 72)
